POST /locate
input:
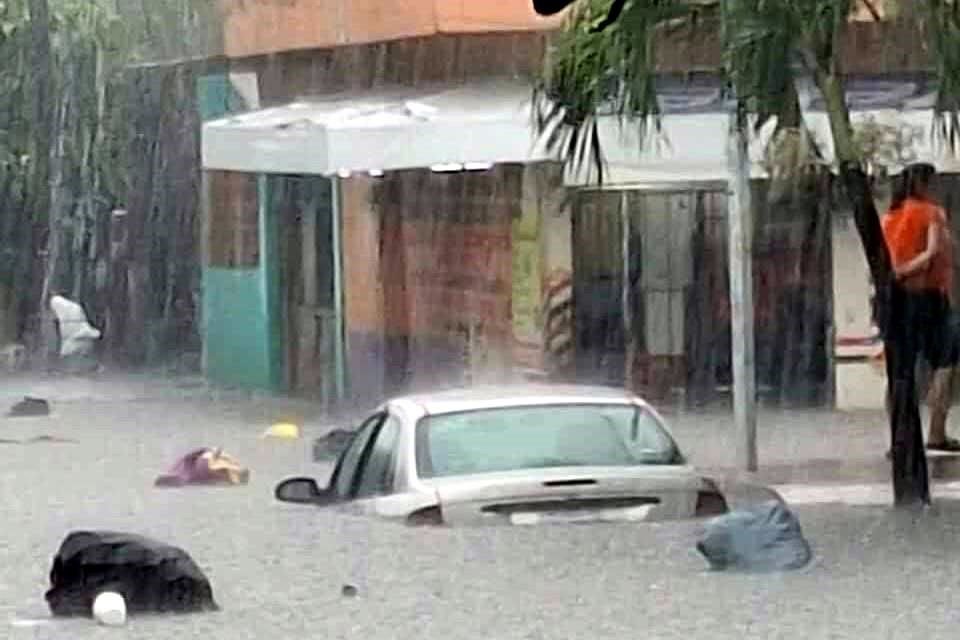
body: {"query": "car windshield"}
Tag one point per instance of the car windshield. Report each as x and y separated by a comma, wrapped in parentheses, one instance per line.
(516, 438)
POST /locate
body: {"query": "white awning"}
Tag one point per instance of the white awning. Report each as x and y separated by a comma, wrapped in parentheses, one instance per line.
(924, 148)
(488, 122)
(692, 148)
(478, 123)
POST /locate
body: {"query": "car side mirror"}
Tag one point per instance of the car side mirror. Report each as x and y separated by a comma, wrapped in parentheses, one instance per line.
(302, 491)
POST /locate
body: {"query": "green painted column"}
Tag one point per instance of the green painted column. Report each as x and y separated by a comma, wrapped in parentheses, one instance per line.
(241, 324)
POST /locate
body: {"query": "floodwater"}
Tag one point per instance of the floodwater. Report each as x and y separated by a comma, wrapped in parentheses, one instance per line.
(278, 570)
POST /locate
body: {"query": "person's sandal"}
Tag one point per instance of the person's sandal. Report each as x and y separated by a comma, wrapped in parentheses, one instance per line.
(951, 445)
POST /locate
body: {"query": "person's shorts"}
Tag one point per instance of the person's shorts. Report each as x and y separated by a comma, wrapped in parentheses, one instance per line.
(937, 331)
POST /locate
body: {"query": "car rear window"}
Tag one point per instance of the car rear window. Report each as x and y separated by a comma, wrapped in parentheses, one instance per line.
(517, 438)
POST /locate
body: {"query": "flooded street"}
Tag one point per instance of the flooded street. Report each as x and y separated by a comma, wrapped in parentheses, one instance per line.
(278, 570)
(338, 201)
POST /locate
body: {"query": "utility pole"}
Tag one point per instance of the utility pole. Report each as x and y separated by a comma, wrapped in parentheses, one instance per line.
(740, 226)
(626, 295)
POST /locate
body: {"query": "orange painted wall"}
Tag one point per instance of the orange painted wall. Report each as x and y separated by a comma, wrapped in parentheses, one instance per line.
(257, 27)
(470, 16)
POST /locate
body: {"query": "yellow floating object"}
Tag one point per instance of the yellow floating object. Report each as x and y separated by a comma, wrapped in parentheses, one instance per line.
(283, 430)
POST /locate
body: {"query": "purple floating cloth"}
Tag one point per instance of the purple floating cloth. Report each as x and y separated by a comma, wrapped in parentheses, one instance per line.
(204, 466)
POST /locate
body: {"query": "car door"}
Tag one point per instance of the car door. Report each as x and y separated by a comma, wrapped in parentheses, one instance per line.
(375, 491)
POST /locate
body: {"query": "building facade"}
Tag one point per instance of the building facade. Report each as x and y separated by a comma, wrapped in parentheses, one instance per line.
(381, 218)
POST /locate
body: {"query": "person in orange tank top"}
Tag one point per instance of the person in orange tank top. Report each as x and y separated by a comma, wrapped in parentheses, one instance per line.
(918, 237)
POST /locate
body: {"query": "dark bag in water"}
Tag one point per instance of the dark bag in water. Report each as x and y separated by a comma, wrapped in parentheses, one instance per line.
(766, 537)
(29, 407)
(152, 577)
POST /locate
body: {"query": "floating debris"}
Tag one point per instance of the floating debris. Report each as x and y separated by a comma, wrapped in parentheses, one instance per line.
(282, 431)
(29, 407)
(110, 609)
(150, 576)
(204, 466)
(766, 537)
(39, 440)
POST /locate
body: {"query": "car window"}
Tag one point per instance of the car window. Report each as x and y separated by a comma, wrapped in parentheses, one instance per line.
(346, 470)
(516, 438)
(376, 473)
(646, 438)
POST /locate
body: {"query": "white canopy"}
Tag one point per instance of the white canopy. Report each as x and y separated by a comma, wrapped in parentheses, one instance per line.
(479, 123)
(489, 122)
(692, 148)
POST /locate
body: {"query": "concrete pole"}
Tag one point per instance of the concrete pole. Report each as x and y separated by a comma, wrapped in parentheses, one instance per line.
(338, 293)
(626, 299)
(740, 221)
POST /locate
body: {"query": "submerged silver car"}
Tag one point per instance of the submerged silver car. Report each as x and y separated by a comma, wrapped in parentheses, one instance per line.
(513, 455)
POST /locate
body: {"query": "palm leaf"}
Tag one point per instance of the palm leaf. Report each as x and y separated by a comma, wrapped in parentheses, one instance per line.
(592, 72)
(760, 41)
(942, 30)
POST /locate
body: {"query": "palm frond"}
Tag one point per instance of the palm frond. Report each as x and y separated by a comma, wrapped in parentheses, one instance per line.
(611, 71)
(942, 30)
(598, 68)
(761, 41)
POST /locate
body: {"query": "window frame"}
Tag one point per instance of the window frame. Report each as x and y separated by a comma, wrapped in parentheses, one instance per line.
(390, 421)
(370, 425)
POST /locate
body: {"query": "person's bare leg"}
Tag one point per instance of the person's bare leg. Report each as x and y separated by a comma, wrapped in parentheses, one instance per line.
(938, 399)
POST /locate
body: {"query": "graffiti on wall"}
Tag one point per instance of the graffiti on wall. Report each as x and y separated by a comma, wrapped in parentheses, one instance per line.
(459, 274)
(458, 283)
(525, 292)
(558, 322)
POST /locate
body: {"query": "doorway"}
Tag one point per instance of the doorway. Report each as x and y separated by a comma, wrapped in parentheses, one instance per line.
(665, 252)
(303, 206)
(633, 276)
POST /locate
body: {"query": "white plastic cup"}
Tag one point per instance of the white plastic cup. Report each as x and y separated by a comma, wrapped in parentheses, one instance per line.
(110, 609)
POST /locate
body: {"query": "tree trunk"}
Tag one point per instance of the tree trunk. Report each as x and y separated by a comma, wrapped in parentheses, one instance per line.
(41, 117)
(910, 479)
(59, 204)
(145, 89)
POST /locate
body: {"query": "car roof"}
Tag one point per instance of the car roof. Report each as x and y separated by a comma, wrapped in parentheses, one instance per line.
(489, 397)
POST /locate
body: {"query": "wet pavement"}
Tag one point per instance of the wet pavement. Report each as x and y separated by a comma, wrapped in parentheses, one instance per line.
(813, 446)
(280, 570)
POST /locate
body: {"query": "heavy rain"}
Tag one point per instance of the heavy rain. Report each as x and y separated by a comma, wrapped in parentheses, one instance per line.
(475, 319)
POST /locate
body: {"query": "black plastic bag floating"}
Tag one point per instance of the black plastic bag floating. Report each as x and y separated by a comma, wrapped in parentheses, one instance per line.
(29, 407)
(766, 537)
(152, 577)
